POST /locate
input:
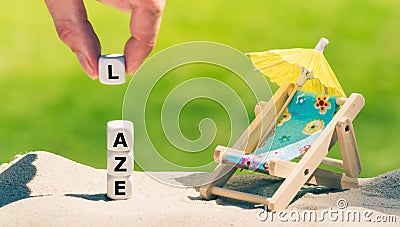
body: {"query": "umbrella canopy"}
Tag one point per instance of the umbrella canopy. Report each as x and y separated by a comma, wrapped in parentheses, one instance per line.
(282, 66)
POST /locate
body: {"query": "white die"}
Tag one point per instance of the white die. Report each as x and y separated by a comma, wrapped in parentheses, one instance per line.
(120, 135)
(119, 163)
(112, 69)
(119, 187)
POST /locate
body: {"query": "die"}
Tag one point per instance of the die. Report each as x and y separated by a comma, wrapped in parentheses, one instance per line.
(112, 69)
(119, 135)
(119, 187)
(119, 159)
(119, 163)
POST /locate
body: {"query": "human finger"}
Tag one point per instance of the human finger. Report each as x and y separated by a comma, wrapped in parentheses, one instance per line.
(74, 29)
(144, 25)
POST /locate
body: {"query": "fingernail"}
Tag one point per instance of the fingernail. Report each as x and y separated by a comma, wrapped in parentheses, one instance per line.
(86, 66)
(132, 70)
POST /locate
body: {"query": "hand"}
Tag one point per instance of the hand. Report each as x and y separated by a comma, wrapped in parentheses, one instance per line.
(74, 29)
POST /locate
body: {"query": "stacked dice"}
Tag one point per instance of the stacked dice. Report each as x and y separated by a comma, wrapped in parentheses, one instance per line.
(119, 159)
(119, 134)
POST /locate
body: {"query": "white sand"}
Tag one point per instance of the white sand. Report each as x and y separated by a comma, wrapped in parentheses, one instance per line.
(43, 189)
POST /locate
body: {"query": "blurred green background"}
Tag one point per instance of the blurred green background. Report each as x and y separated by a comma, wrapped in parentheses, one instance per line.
(47, 102)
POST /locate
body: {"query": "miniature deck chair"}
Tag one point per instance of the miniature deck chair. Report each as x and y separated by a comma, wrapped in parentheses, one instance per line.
(308, 129)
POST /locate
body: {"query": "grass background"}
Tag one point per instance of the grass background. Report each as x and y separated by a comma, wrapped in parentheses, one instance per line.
(47, 102)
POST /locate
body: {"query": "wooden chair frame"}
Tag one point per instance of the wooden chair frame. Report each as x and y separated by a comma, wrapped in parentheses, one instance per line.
(339, 129)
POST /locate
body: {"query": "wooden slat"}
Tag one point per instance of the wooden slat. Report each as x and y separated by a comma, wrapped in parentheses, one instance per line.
(329, 161)
(251, 136)
(259, 106)
(323, 177)
(332, 162)
(341, 101)
(239, 195)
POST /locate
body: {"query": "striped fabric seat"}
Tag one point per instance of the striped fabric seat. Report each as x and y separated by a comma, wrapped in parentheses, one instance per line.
(299, 126)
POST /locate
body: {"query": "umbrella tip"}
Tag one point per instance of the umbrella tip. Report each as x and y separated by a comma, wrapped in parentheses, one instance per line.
(323, 42)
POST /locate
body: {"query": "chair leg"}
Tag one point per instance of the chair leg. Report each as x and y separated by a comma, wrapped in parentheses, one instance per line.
(221, 174)
(302, 172)
(348, 148)
(309, 163)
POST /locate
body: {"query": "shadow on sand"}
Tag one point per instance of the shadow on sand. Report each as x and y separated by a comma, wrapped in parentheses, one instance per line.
(13, 180)
(91, 197)
(263, 185)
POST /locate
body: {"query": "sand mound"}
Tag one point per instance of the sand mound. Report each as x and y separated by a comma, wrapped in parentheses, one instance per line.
(41, 189)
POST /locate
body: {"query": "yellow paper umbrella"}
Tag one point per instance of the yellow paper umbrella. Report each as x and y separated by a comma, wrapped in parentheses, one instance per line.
(283, 66)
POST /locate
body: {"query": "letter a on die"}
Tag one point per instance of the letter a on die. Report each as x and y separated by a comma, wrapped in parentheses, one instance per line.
(120, 135)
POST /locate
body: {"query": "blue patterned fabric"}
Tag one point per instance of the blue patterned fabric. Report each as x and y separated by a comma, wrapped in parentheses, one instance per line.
(300, 125)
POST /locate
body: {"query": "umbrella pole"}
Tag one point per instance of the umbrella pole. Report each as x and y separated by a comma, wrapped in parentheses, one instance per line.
(304, 76)
(266, 134)
(284, 106)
